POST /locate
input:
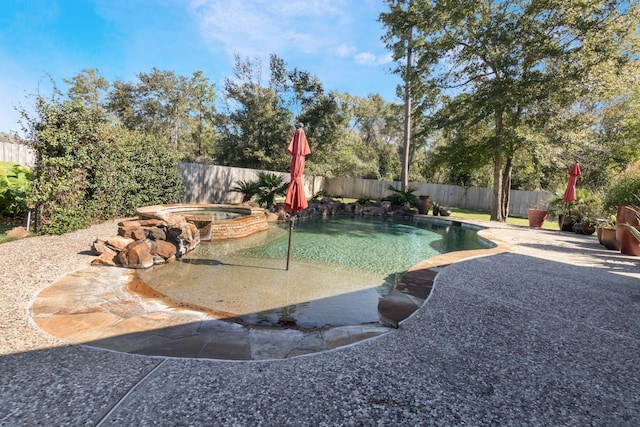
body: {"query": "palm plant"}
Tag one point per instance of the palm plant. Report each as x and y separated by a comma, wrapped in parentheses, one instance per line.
(404, 198)
(270, 185)
(247, 188)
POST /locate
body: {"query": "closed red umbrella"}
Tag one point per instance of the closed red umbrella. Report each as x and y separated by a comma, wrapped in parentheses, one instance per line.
(296, 200)
(570, 192)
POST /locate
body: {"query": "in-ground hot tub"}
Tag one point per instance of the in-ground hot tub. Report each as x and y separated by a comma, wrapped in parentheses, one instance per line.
(214, 221)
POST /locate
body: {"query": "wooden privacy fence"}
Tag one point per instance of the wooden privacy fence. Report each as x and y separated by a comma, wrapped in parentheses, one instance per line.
(16, 153)
(474, 198)
(212, 184)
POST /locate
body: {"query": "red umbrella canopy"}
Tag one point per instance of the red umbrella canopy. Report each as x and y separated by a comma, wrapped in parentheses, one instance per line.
(296, 200)
(570, 192)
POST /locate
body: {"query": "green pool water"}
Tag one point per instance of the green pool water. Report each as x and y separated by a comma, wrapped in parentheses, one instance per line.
(215, 214)
(339, 269)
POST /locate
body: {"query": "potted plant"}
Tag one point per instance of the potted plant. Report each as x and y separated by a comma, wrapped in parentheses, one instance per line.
(402, 198)
(563, 211)
(586, 208)
(436, 208)
(537, 216)
(606, 229)
(623, 197)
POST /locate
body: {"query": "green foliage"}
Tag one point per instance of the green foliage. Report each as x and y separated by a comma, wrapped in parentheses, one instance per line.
(322, 194)
(270, 185)
(15, 185)
(255, 132)
(178, 110)
(587, 207)
(265, 188)
(496, 65)
(404, 198)
(247, 188)
(623, 191)
(89, 169)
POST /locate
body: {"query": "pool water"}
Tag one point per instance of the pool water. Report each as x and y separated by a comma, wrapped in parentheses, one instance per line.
(215, 214)
(339, 269)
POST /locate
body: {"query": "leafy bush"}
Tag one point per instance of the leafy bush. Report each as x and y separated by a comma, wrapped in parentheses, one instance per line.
(586, 208)
(15, 185)
(247, 188)
(623, 191)
(402, 198)
(89, 169)
(270, 185)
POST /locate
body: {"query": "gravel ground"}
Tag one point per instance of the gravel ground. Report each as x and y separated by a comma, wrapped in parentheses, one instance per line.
(546, 335)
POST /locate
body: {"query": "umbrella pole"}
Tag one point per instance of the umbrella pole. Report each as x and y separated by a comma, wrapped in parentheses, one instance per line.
(564, 214)
(291, 219)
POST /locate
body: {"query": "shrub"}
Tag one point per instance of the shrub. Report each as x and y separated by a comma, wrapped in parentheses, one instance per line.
(15, 185)
(247, 188)
(402, 198)
(586, 208)
(270, 185)
(89, 169)
(623, 191)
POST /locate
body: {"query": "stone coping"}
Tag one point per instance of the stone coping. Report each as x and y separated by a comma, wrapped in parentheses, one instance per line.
(148, 212)
(111, 308)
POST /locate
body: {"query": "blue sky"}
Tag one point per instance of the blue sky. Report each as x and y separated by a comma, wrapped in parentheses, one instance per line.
(336, 40)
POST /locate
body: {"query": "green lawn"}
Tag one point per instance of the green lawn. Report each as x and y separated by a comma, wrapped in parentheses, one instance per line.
(484, 216)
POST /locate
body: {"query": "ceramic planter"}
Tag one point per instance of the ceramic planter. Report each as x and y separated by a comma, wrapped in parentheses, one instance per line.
(608, 238)
(628, 244)
(536, 217)
(423, 204)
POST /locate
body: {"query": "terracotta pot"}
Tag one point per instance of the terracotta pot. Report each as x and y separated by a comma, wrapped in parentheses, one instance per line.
(628, 244)
(536, 217)
(608, 237)
(423, 204)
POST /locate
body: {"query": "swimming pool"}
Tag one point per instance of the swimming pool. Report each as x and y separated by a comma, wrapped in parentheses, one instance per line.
(340, 268)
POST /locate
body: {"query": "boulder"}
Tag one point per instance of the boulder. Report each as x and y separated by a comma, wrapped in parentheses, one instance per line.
(163, 249)
(136, 255)
(107, 258)
(109, 244)
(132, 232)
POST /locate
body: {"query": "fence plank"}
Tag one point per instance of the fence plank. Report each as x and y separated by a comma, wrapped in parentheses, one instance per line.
(14, 152)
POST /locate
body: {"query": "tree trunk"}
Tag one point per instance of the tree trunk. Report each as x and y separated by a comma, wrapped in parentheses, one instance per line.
(506, 187)
(404, 178)
(496, 211)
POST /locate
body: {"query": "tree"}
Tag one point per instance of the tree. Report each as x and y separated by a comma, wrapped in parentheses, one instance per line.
(257, 125)
(176, 109)
(88, 87)
(518, 62)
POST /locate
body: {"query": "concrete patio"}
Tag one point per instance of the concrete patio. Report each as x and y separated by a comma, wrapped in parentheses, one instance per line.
(548, 334)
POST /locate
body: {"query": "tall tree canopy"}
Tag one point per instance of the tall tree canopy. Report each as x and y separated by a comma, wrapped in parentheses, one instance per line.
(512, 65)
(174, 108)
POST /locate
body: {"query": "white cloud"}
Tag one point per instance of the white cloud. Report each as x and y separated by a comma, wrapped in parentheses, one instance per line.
(368, 58)
(260, 27)
(365, 58)
(344, 50)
